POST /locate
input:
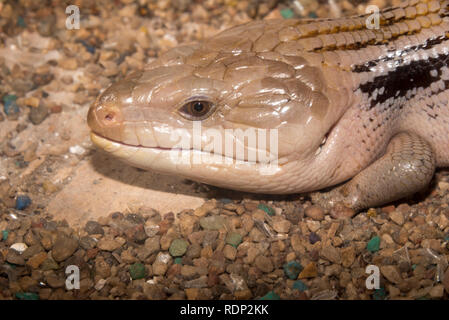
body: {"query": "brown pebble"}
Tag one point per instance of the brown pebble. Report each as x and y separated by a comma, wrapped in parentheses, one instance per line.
(192, 293)
(229, 252)
(31, 102)
(68, 63)
(264, 264)
(108, 244)
(39, 114)
(446, 280)
(391, 273)
(244, 294)
(281, 225)
(14, 257)
(56, 109)
(347, 256)
(340, 211)
(314, 212)
(36, 260)
(310, 271)
(63, 248)
(332, 254)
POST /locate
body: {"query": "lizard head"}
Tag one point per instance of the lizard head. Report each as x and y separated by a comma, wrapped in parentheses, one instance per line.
(219, 113)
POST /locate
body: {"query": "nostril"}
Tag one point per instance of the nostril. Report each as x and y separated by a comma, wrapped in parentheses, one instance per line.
(109, 116)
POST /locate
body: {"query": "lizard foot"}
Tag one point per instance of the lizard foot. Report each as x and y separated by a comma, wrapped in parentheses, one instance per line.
(334, 202)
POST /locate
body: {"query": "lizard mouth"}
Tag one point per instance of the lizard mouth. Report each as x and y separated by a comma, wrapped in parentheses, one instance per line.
(193, 164)
(101, 140)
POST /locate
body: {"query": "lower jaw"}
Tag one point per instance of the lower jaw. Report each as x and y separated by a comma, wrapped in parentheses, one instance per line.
(199, 166)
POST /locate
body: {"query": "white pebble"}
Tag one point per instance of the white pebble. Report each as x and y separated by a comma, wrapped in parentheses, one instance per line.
(77, 150)
(100, 284)
(163, 257)
(19, 247)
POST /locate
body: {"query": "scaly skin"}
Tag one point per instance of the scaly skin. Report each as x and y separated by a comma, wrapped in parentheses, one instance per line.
(346, 101)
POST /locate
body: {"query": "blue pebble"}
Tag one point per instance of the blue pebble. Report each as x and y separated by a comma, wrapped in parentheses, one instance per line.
(22, 202)
(10, 106)
(292, 269)
(88, 47)
(225, 200)
(299, 285)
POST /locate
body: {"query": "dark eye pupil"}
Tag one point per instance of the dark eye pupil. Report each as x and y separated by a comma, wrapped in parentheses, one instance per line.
(198, 106)
(196, 109)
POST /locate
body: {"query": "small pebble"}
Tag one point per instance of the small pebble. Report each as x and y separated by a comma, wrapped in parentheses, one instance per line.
(212, 222)
(292, 269)
(314, 238)
(269, 210)
(178, 247)
(10, 106)
(20, 247)
(314, 212)
(234, 239)
(271, 296)
(299, 285)
(373, 245)
(22, 202)
(372, 213)
(310, 271)
(77, 150)
(379, 294)
(27, 296)
(93, 227)
(287, 13)
(64, 247)
(137, 271)
(39, 114)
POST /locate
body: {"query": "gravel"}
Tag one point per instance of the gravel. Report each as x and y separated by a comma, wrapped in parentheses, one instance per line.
(244, 247)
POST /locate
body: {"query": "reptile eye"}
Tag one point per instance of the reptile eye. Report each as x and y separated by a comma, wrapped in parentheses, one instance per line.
(196, 110)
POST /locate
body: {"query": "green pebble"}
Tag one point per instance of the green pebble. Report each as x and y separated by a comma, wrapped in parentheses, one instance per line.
(287, 13)
(271, 296)
(27, 296)
(414, 266)
(21, 22)
(178, 260)
(137, 271)
(5, 234)
(234, 239)
(178, 247)
(373, 244)
(269, 210)
(313, 15)
(379, 294)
